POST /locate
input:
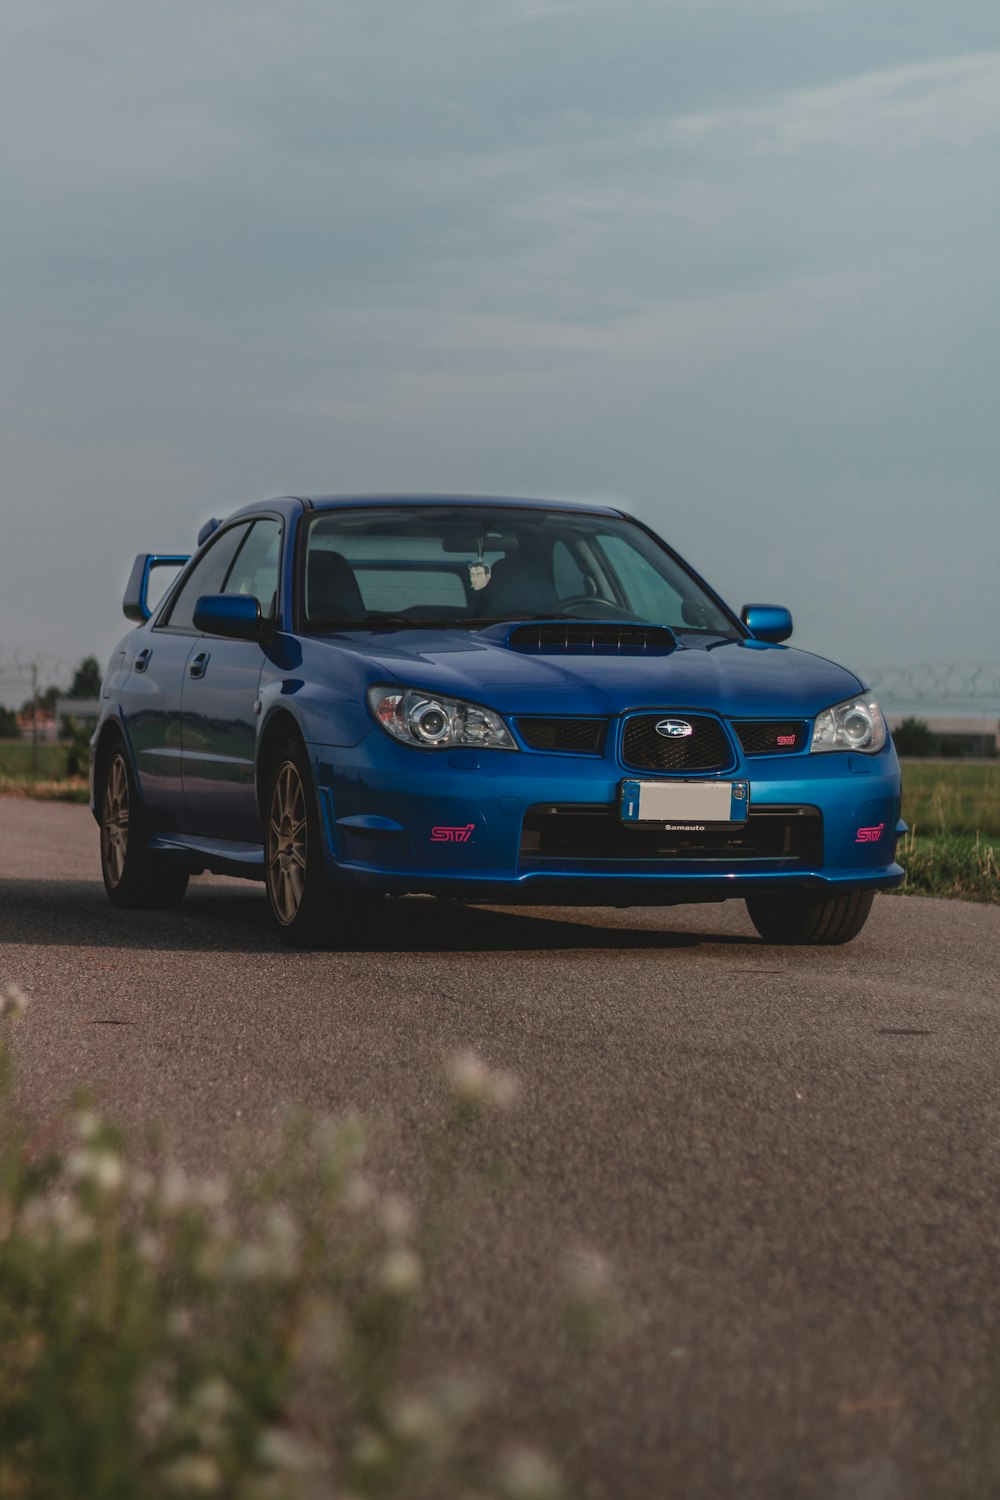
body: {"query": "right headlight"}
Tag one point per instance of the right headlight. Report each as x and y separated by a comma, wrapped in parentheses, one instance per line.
(435, 722)
(855, 724)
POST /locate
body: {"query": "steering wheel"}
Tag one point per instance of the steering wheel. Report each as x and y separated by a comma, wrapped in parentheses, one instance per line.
(584, 607)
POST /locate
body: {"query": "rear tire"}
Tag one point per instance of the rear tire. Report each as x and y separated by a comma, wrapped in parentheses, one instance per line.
(133, 878)
(802, 918)
(307, 909)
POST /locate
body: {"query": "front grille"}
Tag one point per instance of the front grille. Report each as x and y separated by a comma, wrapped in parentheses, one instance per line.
(576, 736)
(593, 639)
(584, 832)
(706, 748)
(771, 736)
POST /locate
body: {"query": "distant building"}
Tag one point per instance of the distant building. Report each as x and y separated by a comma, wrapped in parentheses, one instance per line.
(41, 725)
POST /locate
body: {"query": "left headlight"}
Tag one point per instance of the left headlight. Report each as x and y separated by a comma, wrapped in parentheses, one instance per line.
(436, 723)
(855, 724)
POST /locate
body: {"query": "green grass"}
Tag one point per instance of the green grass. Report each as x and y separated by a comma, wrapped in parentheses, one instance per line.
(947, 799)
(50, 780)
(953, 847)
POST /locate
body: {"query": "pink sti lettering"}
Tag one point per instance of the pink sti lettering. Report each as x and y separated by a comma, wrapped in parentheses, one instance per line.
(443, 835)
(869, 835)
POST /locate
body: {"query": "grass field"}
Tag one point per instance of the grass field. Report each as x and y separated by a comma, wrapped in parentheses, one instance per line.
(953, 847)
(952, 807)
(49, 780)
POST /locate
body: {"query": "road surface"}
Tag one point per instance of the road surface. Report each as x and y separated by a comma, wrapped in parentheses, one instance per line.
(791, 1157)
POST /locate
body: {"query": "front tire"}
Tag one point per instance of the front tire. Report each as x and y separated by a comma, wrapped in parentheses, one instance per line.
(802, 918)
(133, 878)
(307, 910)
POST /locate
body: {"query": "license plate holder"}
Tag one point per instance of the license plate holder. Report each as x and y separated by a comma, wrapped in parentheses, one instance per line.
(685, 806)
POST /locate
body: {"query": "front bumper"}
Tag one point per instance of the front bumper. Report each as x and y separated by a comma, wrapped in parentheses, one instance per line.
(464, 823)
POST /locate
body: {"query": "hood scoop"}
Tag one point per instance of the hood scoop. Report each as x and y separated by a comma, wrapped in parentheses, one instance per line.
(590, 638)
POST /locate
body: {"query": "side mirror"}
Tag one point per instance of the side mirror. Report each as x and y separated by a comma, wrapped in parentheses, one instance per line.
(235, 615)
(767, 622)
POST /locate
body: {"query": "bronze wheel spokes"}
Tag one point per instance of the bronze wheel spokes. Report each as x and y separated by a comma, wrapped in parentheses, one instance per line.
(287, 844)
(115, 821)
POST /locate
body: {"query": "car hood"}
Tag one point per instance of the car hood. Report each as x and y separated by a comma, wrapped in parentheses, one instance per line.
(729, 677)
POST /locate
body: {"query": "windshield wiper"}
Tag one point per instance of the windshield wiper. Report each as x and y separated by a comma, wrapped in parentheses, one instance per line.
(384, 622)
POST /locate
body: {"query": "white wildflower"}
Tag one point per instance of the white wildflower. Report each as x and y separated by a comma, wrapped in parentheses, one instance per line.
(86, 1124)
(359, 1194)
(370, 1450)
(100, 1166)
(473, 1083)
(140, 1183)
(175, 1190)
(213, 1398)
(212, 1192)
(149, 1248)
(418, 1422)
(282, 1450)
(587, 1275)
(400, 1272)
(195, 1474)
(155, 1410)
(396, 1216)
(13, 1003)
(526, 1474)
(180, 1322)
(284, 1240)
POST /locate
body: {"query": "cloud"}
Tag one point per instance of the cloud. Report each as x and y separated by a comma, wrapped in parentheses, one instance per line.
(951, 102)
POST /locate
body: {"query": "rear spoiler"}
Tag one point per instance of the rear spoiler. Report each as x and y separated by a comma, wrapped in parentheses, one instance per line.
(134, 604)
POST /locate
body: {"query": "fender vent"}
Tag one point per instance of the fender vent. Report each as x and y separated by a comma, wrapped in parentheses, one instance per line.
(591, 638)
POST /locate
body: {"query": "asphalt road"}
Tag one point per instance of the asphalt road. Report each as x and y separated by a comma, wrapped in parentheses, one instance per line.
(791, 1157)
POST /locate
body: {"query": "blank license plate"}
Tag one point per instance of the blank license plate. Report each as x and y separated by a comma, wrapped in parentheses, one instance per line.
(685, 803)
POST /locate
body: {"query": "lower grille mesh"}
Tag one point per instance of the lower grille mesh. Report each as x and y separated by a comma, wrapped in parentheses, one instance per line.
(583, 832)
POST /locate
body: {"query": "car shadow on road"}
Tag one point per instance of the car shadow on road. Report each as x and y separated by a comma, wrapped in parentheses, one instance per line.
(233, 918)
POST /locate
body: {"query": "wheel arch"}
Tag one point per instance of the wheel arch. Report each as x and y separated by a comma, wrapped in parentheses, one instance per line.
(281, 726)
(111, 734)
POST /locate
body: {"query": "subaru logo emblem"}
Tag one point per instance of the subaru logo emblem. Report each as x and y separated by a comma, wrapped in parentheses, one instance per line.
(674, 729)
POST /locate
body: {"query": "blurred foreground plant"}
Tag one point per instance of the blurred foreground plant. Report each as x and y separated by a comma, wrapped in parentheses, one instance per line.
(163, 1336)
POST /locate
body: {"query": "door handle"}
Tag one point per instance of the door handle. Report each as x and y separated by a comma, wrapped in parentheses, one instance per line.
(199, 665)
(142, 660)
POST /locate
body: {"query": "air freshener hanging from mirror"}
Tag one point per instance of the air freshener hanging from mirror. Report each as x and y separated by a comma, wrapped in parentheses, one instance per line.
(480, 571)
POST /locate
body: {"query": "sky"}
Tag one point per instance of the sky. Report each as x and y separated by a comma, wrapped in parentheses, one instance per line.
(729, 264)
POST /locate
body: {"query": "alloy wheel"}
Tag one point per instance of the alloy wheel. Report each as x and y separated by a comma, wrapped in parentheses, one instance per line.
(287, 843)
(115, 821)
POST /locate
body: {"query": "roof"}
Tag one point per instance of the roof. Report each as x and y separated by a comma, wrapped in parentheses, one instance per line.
(331, 502)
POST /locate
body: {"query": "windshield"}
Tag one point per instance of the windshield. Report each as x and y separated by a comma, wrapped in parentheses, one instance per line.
(471, 566)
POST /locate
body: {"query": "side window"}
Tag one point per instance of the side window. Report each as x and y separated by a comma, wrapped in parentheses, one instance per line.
(208, 577)
(255, 571)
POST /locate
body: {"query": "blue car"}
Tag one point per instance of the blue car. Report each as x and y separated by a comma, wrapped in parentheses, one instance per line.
(494, 700)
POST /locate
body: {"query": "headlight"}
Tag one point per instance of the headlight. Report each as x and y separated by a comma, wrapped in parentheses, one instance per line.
(436, 723)
(855, 724)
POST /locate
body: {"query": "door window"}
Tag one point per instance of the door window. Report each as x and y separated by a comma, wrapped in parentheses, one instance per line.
(255, 571)
(207, 577)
